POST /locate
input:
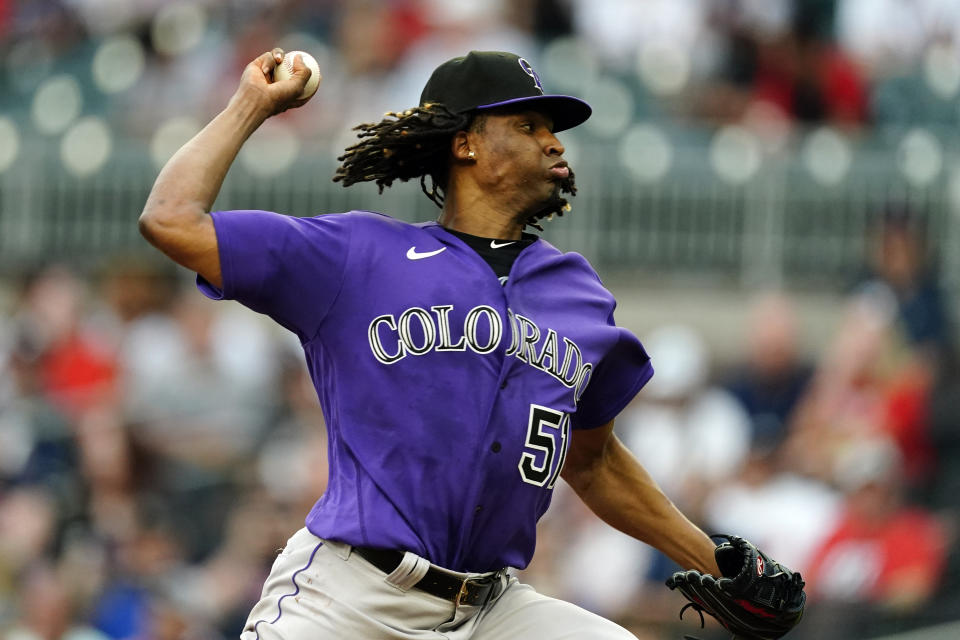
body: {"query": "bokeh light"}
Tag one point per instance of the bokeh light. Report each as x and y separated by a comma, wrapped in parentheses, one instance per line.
(770, 124)
(663, 66)
(56, 104)
(827, 156)
(118, 64)
(86, 147)
(271, 150)
(569, 64)
(920, 157)
(178, 28)
(941, 70)
(647, 152)
(170, 136)
(613, 107)
(735, 154)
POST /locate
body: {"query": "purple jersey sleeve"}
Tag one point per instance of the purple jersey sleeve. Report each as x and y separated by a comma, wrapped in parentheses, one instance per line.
(288, 268)
(622, 372)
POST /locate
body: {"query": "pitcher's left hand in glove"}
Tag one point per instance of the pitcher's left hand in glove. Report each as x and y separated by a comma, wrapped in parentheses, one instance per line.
(757, 598)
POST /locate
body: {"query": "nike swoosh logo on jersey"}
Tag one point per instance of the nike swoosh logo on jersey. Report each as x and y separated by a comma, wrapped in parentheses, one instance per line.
(413, 255)
(495, 245)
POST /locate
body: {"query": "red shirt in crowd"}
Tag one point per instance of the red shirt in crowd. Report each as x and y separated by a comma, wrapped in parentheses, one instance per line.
(873, 563)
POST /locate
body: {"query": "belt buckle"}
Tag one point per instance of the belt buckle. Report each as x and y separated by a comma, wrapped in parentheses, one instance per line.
(463, 591)
(464, 588)
(490, 581)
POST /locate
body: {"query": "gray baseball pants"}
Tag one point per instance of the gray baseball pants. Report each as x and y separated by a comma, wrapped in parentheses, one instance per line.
(319, 590)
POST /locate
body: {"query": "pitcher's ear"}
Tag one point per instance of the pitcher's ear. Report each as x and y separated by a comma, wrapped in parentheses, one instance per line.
(460, 146)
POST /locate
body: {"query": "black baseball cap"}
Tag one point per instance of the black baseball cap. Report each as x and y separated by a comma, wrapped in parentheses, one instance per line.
(489, 79)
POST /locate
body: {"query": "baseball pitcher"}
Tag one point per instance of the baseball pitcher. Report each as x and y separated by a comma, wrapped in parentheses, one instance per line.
(464, 365)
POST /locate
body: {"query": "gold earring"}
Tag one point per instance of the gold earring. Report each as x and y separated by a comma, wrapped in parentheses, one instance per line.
(471, 154)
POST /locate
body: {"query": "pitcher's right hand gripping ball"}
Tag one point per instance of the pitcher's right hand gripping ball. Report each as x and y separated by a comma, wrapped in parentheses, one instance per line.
(271, 95)
(286, 69)
(757, 598)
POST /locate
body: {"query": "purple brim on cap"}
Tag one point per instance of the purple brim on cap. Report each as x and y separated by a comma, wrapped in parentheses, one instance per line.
(566, 111)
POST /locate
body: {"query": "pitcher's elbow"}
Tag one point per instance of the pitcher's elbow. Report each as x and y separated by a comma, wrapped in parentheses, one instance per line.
(145, 224)
(160, 220)
(151, 223)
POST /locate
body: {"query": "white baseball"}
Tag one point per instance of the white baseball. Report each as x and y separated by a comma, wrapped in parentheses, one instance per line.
(285, 69)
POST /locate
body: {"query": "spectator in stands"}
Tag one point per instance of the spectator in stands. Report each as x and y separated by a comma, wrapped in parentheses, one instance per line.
(773, 376)
(786, 514)
(901, 260)
(452, 27)
(889, 37)
(178, 363)
(546, 19)
(28, 531)
(76, 369)
(618, 30)
(799, 71)
(687, 432)
(869, 383)
(48, 609)
(145, 559)
(901, 268)
(884, 557)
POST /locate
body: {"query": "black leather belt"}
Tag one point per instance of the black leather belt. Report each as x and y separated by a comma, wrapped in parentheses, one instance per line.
(472, 591)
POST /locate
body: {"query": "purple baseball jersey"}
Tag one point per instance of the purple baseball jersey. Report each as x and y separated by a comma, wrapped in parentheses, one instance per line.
(448, 398)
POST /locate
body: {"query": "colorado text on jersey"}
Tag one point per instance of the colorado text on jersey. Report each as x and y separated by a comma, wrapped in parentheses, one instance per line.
(392, 339)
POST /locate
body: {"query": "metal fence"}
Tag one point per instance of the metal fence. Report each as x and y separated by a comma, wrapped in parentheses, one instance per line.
(779, 225)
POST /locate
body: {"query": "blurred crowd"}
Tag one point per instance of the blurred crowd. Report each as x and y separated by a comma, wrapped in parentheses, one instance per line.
(155, 453)
(157, 449)
(766, 62)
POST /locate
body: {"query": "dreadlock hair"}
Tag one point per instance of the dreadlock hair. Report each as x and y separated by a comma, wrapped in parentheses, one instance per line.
(415, 144)
(412, 144)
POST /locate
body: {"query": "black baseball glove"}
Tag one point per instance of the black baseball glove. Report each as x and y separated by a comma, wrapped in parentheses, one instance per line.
(757, 598)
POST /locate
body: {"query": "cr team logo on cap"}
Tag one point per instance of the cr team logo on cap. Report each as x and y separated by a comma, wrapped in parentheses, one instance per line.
(527, 69)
